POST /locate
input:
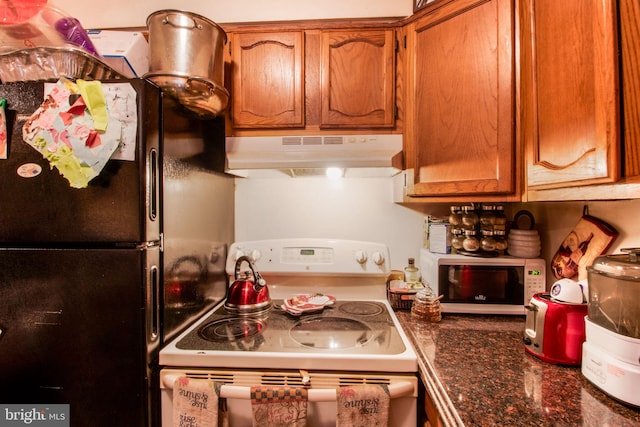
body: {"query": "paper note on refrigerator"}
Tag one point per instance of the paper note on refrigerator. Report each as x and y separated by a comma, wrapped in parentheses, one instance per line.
(64, 131)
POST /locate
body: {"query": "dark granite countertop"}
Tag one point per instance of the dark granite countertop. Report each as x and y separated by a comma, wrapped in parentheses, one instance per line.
(477, 372)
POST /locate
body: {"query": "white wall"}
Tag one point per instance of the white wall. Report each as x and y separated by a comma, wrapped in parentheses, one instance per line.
(127, 13)
(362, 209)
(352, 208)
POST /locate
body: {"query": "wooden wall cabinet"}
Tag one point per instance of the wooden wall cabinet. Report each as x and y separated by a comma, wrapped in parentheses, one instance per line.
(312, 79)
(581, 99)
(267, 80)
(629, 12)
(358, 84)
(570, 104)
(461, 117)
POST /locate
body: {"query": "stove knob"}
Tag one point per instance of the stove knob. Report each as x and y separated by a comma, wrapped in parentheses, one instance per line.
(237, 255)
(254, 255)
(378, 258)
(361, 256)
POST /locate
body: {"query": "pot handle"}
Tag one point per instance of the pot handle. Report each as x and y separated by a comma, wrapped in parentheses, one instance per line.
(192, 84)
(181, 21)
(259, 281)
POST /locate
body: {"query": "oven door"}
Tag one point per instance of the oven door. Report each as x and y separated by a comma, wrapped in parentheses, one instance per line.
(321, 407)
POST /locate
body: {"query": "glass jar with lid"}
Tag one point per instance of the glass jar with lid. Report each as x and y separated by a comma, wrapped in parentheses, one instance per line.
(426, 306)
(470, 242)
(487, 216)
(455, 217)
(469, 216)
(500, 222)
(500, 241)
(457, 237)
(488, 243)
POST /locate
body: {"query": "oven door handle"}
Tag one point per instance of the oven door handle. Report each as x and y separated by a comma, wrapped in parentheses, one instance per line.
(396, 389)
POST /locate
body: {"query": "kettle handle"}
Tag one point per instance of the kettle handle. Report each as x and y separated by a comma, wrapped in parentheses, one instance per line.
(257, 277)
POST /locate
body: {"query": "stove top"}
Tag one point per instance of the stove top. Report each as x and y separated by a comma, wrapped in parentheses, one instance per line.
(349, 335)
(362, 327)
(358, 332)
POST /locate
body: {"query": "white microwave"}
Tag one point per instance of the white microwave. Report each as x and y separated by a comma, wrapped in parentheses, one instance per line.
(483, 285)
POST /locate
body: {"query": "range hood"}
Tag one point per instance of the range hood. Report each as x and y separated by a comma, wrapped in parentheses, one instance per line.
(356, 155)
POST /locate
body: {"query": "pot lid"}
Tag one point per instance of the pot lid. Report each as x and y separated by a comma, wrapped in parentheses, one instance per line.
(624, 266)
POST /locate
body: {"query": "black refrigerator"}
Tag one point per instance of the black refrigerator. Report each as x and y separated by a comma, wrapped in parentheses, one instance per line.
(93, 281)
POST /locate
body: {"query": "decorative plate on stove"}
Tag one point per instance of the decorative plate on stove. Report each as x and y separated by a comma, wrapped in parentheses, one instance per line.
(307, 303)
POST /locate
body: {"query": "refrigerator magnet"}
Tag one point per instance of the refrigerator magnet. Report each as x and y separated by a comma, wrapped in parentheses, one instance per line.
(29, 170)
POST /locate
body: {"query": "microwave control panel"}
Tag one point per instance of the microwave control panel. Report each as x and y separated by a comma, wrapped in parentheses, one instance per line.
(535, 278)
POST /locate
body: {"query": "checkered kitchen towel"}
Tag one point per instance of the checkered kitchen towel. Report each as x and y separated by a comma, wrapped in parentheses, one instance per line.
(279, 406)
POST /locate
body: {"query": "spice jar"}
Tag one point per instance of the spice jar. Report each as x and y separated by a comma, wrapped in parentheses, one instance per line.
(488, 243)
(500, 222)
(457, 239)
(469, 217)
(501, 241)
(471, 242)
(488, 216)
(426, 306)
(455, 217)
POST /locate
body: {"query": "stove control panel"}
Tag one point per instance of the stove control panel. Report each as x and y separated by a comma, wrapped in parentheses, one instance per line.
(304, 256)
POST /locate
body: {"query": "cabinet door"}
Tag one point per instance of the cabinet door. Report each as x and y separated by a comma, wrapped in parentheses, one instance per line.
(462, 115)
(267, 83)
(358, 85)
(630, 47)
(570, 103)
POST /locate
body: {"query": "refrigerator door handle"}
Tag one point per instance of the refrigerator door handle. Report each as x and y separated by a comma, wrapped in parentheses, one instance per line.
(155, 304)
(154, 185)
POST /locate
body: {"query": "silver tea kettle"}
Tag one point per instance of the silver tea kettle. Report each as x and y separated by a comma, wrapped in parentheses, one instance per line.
(248, 294)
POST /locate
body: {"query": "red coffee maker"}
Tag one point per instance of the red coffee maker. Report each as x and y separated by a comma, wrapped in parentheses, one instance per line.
(555, 330)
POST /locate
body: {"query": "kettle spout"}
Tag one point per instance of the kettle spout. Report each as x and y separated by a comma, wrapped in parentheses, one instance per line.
(259, 281)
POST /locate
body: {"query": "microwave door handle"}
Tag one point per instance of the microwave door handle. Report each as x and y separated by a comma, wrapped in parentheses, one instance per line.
(398, 389)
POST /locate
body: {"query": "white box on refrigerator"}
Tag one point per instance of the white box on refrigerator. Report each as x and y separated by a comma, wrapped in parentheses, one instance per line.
(127, 52)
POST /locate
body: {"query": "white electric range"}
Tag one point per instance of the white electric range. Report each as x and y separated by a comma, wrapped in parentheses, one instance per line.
(355, 340)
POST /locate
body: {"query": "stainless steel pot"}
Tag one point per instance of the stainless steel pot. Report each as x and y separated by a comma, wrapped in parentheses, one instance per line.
(186, 60)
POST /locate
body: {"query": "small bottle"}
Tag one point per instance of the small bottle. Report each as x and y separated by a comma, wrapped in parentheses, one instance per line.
(411, 272)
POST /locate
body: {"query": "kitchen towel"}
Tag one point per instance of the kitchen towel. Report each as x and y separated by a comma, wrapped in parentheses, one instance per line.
(195, 403)
(279, 406)
(365, 405)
